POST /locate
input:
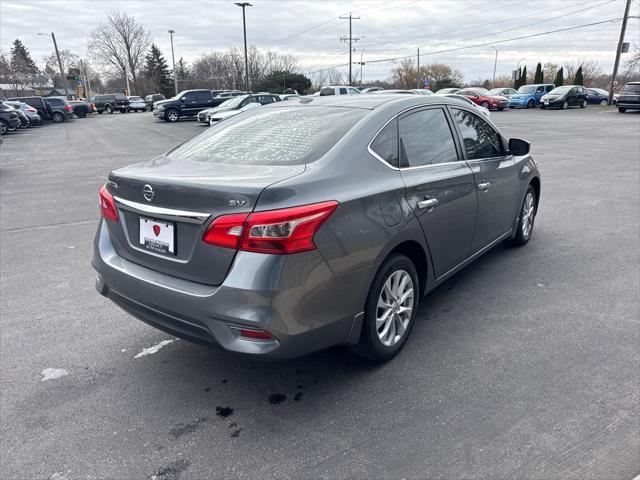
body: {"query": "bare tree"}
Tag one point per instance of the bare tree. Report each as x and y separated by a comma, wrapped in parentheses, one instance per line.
(120, 44)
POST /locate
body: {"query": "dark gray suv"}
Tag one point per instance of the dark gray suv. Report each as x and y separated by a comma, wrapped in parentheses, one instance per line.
(311, 223)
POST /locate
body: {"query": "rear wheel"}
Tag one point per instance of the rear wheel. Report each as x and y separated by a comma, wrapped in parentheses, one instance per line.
(108, 109)
(565, 105)
(82, 113)
(485, 105)
(58, 117)
(390, 309)
(531, 104)
(622, 110)
(4, 127)
(583, 104)
(172, 115)
(99, 112)
(604, 102)
(527, 218)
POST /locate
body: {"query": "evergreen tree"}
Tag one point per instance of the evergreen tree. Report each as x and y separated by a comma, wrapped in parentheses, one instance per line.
(516, 81)
(21, 62)
(182, 70)
(156, 71)
(279, 81)
(578, 80)
(539, 75)
(559, 81)
(523, 78)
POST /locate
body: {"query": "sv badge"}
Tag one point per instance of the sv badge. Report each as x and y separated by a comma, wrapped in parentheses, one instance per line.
(237, 203)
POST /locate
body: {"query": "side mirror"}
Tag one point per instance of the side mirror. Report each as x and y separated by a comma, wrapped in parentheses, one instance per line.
(518, 147)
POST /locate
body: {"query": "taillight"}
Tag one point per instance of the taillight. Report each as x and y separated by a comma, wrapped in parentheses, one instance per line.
(107, 205)
(31, 109)
(288, 230)
(68, 108)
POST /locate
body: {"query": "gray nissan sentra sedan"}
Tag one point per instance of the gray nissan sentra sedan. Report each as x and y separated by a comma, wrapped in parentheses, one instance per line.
(311, 223)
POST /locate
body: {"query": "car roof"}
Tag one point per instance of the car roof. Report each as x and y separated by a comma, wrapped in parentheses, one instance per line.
(372, 102)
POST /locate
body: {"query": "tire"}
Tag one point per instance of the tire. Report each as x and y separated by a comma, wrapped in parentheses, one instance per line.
(542, 107)
(565, 105)
(108, 109)
(58, 117)
(527, 217)
(531, 104)
(99, 112)
(172, 115)
(4, 128)
(583, 104)
(211, 123)
(485, 105)
(604, 102)
(622, 110)
(82, 113)
(398, 275)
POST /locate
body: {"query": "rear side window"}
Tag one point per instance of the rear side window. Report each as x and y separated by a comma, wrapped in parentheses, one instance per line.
(120, 96)
(327, 91)
(284, 136)
(55, 101)
(426, 139)
(343, 91)
(385, 144)
(204, 96)
(480, 140)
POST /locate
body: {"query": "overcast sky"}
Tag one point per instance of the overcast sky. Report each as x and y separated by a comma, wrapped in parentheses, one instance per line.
(311, 29)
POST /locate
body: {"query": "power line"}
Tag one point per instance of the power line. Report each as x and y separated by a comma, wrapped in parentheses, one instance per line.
(494, 42)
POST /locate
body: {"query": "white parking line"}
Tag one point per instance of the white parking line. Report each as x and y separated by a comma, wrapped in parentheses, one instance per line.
(155, 348)
(53, 373)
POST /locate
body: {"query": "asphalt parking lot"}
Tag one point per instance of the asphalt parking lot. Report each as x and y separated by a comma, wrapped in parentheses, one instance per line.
(524, 365)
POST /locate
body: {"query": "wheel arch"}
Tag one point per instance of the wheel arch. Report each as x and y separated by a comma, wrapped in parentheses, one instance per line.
(418, 256)
(535, 183)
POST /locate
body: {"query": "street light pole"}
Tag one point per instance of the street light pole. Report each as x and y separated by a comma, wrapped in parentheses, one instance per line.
(495, 64)
(62, 74)
(246, 58)
(619, 50)
(361, 64)
(173, 59)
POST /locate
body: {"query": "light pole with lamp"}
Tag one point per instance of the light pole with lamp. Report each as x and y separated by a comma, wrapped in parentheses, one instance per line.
(173, 59)
(495, 64)
(63, 76)
(246, 58)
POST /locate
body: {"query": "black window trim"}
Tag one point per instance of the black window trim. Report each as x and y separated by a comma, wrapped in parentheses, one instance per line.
(505, 148)
(452, 126)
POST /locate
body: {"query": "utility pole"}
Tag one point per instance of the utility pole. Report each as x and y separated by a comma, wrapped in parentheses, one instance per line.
(246, 58)
(126, 77)
(350, 39)
(361, 64)
(418, 71)
(62, 74)
(83, 67)
(495, 64)
(173, 59)
(623, 28)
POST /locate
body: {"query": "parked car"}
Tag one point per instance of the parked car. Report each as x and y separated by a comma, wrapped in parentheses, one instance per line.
(9, 120)
(505, 92)
(446, 91)
(22, 117)
(394, 91)
(237, 103)
(111, 102)
(60, 108)
(308, 224)
(186, 104)
(629, 97)
(44, 111)
(137, 104)
(213, 118)
(528, 96)
(422, 91)
(34, 119)
(151, 99)
(339, 90)
(484, 98)
(81, 108)
(287, 96)
(482, 110)
(565, 97)
(230, 93)
(597, 96)
(369, 89)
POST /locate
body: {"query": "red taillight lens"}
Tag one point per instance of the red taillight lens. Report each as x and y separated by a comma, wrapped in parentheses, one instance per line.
(107, 205)
(31, 109)
(68, 108)
(289, 230)
(257, 334)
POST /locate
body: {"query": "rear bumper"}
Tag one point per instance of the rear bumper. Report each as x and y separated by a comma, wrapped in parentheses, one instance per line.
(628, 105)
(296, 298)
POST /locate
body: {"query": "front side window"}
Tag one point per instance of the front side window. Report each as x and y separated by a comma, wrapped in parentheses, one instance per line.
(385, 145)
(426, 139)
(343, 91)
(327, 91)
(189, 97)
(480, 140)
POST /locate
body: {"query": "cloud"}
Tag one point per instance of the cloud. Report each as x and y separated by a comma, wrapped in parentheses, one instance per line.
(311, 30)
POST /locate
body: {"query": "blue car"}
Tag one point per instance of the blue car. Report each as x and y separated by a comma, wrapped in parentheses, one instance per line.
(597, 96)
(529, 96)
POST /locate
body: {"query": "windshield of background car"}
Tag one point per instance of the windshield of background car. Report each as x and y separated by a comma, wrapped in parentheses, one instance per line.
(527, 89)
(283, 136)
(633, 88)
(559, 91)
(136, 99)
(233, 102)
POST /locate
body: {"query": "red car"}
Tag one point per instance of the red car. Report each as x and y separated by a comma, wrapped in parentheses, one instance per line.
(484, 98)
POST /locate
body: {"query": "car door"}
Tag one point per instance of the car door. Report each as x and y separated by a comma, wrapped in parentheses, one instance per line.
(495, 174)
(440, 186)
(540, 91)
(189, 104)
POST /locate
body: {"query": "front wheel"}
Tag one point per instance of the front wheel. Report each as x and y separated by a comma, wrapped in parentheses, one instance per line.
(527, 218)
(390, 309)
(531, 104)
(565, 105)
(82, 113)
(604, 102)
(108, 109)
(542, 107)
(4, 128)
(485, 105)
(583, 104)
(58, 117)
(172, 115)
(622, 110)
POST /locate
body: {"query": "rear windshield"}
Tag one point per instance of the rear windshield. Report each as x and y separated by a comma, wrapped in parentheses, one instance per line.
(631, 88)
(283, 136)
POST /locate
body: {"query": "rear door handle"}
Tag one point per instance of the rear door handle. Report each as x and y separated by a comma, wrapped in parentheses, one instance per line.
(428, 203)
(484, 186)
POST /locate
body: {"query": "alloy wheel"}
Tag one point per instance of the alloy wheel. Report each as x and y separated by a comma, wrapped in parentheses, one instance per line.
(3, 128)
(395, 308)
(528, 214)
(172, 116)
(604, 102)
